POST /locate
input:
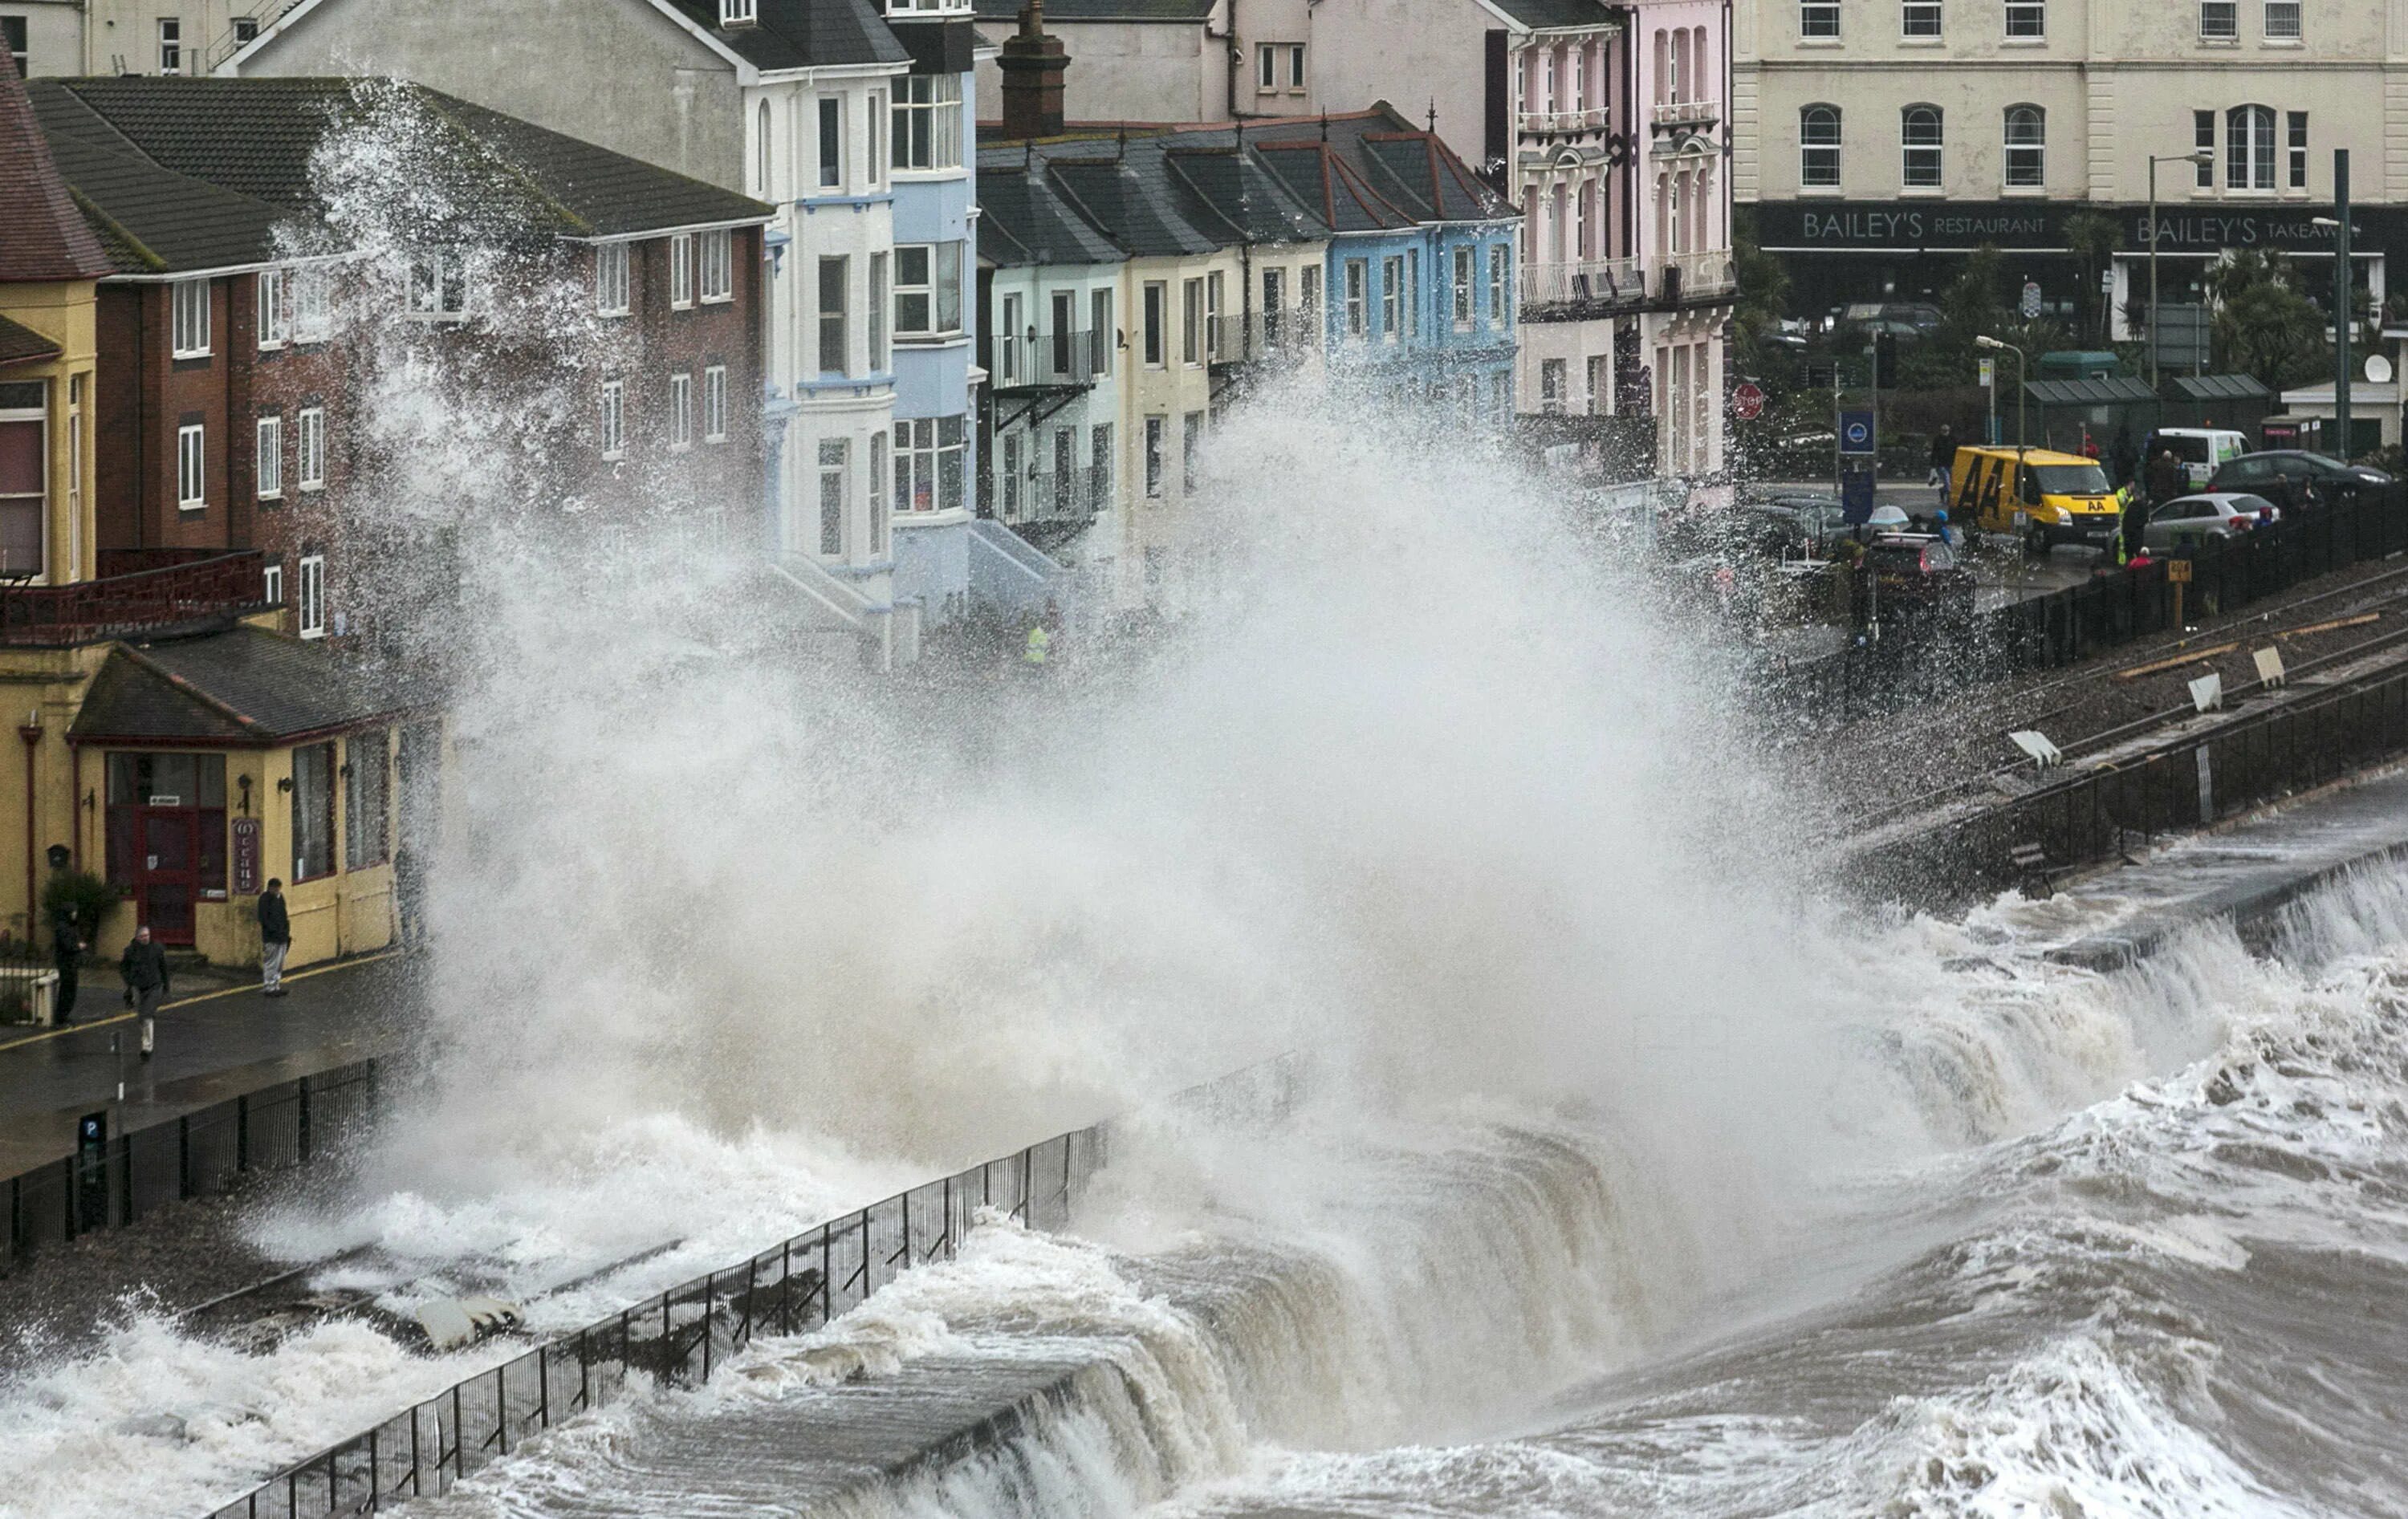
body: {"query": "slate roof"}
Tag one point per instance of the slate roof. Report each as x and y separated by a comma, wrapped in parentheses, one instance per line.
(1408, 168)
(799, 33)
(20, 343)
(2113, 390)
(1243, 194)
(1130, 207)
(2219, 388)
(242, 686)
(46, 237)
(1551, 15)
(1025, 219)
(1193, 12)
(178, 174)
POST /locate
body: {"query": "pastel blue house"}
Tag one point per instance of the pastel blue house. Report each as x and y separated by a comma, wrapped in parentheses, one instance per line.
(932, 298)
(1421, 258)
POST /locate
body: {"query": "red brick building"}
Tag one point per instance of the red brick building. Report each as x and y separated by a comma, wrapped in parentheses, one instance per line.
(231, 372)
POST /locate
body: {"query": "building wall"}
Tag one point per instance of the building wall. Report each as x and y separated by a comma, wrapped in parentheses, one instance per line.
(1128, 71)
(1153, 527)
(125, 35)
(1425, 56)
(54, 35)
(612, 72)
(1279, 25)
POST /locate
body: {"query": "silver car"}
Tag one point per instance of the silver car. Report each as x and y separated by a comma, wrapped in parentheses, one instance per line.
(2210, 514)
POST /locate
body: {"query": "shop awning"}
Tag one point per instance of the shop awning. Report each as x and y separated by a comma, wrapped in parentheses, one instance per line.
(2116, 390)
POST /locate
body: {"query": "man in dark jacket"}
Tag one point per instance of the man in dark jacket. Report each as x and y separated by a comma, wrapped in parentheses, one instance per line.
(1944, 458)
(144, 966)
(2166, 477)
(66, 956)
(275, 937)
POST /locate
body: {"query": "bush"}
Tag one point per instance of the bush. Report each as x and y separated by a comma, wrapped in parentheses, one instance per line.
(81, 893)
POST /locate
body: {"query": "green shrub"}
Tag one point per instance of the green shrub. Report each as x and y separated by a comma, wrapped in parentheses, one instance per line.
(81, 893)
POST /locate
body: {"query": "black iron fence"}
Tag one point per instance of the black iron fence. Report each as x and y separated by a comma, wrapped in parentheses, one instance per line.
(124, 1177)
(2096, 814)
(1927, 651)
(681, 1336)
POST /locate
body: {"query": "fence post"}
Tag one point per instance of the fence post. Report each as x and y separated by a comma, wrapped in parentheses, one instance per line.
(376, 1472)
(502, 1408)
(242, 1132)
(301, 1122)
(786, 1286)
(542, 1387)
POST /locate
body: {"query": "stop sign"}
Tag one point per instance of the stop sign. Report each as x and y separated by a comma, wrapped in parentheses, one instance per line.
(1747, 401)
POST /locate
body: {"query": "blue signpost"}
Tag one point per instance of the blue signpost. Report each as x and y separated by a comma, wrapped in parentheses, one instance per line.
(1856, 432)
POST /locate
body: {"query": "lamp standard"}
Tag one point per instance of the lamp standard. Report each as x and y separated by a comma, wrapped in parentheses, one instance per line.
(2022, 400)
(2201, 159)
(2345, 290)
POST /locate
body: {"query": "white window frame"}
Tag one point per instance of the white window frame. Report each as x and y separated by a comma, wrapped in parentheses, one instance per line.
(275, 310)
(1156, 426)
(682, 271)
(2282, 20)
(190, 336)
(2027, 20)
(611, 296)
(2248, 157)
(835, 472)
(1500, 273)
(943, 259)
(171, 45)
(880, 447)
(2207, 144)
(2219, 20)
(268, 457)
(438, 287)
(714, 402)
(717, 274)
(831, 143)
(1466, 276)
(309, 448)
(191, 466)
(1266, 66)
(1818, 21)
(927, 111)
(681, 412)
(1358, 299)
(1295, 73)
(1810, 149)
(881, 311)
(313, 305)
(739, 12)
(614, 419)
(2019, 176)
(920, 450)
(310, 604)
(1392, 297)
(271, 584)
(1922, 164)
(2295, 148)
(1156, 296)
(1921, 21)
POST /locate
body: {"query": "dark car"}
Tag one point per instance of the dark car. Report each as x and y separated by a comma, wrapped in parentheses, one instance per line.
(1917, 569)
(2292, 478)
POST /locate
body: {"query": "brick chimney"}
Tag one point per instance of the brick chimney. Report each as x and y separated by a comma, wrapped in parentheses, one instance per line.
(1033, 64)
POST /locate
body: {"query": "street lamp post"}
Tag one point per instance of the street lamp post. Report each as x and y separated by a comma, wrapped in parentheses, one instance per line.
(2022, 435)
(2194, 157)
(2344, 294)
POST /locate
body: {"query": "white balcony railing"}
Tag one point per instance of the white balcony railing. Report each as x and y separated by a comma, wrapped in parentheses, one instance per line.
(1563, 120)
(1687, 112)
(1692, 274)
(1599, 280)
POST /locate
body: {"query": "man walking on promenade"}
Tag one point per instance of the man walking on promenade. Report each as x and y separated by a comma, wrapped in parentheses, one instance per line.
(66, 956)
(275, 937)
(144, 966)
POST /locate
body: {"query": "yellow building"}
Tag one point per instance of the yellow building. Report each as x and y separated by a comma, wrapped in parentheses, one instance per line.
(169, 740)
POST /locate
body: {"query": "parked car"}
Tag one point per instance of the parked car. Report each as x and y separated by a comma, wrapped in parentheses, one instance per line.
(1900, 319)
(1917, 568)
(2201, 451)
(2194, 519)
(2296, 477)
(1796, 523)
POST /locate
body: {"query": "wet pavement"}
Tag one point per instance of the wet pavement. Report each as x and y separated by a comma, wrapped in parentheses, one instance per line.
(212, 1044)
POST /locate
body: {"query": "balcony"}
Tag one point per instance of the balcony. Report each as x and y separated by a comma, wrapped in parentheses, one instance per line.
(1588, 285)
(1032, 362)
(1049, 498)
(1690, 278)
(1264, 338)
(144, 600)
(1687, 113)
(1539, 124)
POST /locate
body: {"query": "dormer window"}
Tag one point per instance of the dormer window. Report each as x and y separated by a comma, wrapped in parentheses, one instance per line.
(739, 12)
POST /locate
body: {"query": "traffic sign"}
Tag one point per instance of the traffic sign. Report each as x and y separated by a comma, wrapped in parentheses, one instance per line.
(1747, 401)
(1855, 431)
(2029, 305)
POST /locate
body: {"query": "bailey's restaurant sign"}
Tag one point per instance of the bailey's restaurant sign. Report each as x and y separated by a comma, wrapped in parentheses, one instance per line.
(1957, 226)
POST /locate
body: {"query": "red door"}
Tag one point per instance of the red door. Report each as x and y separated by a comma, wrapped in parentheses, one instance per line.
(166, 874)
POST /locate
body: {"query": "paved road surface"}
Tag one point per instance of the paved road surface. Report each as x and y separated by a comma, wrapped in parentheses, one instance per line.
(211, 1045)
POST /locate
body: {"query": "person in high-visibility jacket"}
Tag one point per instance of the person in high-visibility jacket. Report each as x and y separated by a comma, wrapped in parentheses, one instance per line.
(1039, 642)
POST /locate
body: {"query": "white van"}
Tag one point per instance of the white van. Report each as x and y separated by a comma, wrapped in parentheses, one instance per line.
(2201, 451)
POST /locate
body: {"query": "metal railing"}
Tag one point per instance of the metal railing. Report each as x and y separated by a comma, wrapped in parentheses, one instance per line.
(1690, 276)
(1562, 120)
(681, 1336)
(131, 1175)
(1686, 113)
(82, 612)
(1050, 359)
(1594, 282)
(1051, 497)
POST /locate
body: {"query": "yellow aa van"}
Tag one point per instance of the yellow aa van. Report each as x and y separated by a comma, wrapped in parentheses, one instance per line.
(2047, 497)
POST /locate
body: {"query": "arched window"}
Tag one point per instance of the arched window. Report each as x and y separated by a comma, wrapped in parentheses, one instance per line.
(1918, 133)
(1818, 147)
(2026, 146)
(763, 151)
(2249, 148)
(1663, 65)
